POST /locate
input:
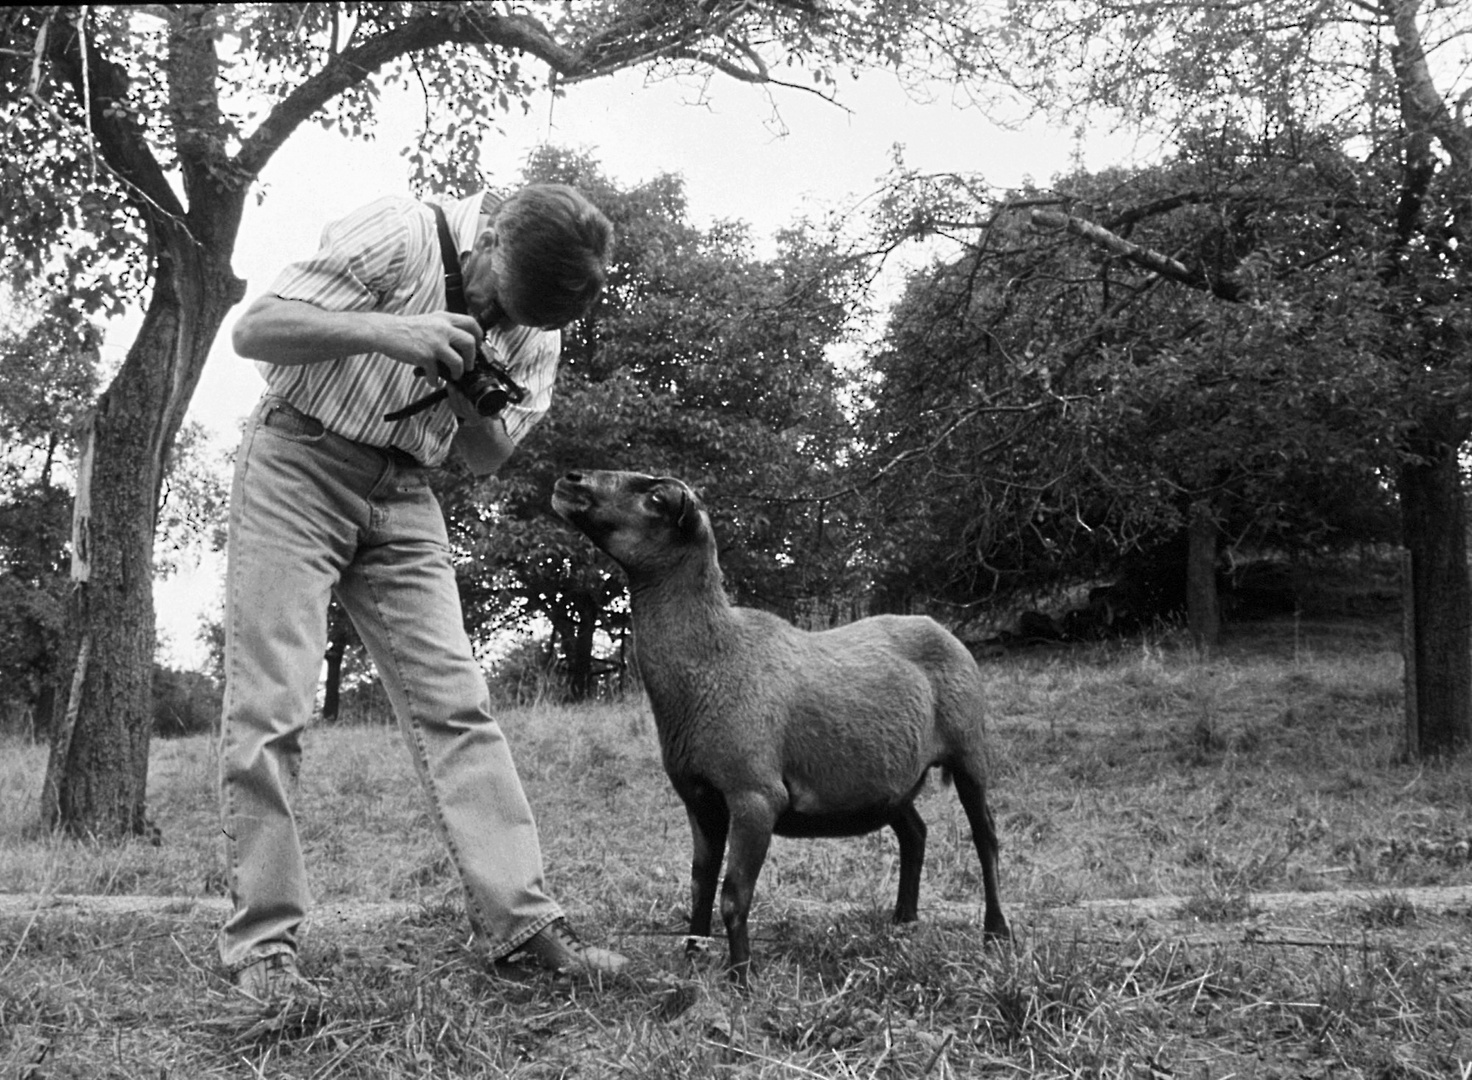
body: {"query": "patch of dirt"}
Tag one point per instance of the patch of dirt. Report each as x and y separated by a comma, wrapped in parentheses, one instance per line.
(1342, 916)
(26, 906)
(1437, 918)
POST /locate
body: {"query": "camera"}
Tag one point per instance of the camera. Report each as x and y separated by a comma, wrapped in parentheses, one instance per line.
(488, 387)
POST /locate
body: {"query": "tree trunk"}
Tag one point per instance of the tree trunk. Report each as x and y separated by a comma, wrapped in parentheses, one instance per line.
(1203, 613)
(98, 769)
(337, 645)
(580, 654)
(1433, 519)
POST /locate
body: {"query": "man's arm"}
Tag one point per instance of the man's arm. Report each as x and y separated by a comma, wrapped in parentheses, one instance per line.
(483, 444)
(295, 332)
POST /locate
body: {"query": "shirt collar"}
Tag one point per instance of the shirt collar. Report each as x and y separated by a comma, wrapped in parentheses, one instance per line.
(464, 216)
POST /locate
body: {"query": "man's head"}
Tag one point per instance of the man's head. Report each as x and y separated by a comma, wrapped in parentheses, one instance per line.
(541, 261)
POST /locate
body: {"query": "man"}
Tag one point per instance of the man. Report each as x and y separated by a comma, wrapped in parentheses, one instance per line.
(331, 496)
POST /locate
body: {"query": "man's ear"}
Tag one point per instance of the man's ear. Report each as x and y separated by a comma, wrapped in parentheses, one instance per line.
(486, 241)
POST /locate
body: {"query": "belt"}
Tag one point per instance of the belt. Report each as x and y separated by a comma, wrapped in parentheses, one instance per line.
(286, 417)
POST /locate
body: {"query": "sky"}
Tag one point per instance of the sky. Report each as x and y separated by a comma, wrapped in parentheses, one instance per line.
(744, 154)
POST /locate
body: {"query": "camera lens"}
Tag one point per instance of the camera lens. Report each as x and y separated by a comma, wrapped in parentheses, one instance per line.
(483, 392)
(491, 403)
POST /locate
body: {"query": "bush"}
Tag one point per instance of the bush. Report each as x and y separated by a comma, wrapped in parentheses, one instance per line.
(526, 675)
(184, 702)
(365, 702)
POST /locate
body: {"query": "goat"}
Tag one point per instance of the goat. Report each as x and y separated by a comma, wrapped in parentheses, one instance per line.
(765, 728)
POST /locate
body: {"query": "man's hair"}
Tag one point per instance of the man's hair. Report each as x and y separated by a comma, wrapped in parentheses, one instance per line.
(557, 245)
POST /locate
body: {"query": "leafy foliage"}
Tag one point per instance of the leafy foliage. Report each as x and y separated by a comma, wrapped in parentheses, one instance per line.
(102, 103)
(64, 217)
(1387, 82)
(184, 702)
(193, 503)
(48, 374)
(48, 361)
(1051, 404)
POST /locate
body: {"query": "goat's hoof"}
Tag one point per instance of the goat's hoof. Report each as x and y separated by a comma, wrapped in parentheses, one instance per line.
(997, 934)
(699, 951)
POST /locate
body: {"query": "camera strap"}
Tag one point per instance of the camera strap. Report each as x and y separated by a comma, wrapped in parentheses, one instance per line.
(454, 301)
(454, 282)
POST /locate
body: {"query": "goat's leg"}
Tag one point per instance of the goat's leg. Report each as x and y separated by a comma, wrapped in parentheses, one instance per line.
(909, 830)
(752, 818)
(972, 793)
(708, 824)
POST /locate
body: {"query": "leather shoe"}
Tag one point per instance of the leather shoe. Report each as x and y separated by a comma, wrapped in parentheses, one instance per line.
(556, 948)
(275, 979)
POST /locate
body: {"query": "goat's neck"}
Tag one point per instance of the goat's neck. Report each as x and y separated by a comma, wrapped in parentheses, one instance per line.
(680, 615)
(683, 624)
(689, 593)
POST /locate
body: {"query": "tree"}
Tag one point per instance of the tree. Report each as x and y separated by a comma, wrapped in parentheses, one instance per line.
(105, 106)
(346, 661)
(1056, 410)
(1372, 69)
(1382, 75)
(701, 361)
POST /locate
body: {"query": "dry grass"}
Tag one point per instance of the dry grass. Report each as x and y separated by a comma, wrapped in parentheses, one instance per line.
(1127, 772)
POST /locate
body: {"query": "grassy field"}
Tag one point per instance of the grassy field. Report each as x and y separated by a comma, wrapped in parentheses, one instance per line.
(1126, 773)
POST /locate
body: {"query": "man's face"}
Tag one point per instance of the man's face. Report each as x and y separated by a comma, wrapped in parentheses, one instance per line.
(490, 287)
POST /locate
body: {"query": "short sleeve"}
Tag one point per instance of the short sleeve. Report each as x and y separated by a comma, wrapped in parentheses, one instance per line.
(534, 365)
(360, 264)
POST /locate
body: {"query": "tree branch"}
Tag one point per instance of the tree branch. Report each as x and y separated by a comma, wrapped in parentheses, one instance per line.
(442, 26)
(1144, 257)
(1427, 117)
(193, 72)
(101, 88)
(652, 33)
(1423, 107)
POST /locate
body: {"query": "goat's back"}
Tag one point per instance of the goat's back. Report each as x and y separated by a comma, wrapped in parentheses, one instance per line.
(909, 666)
(843, 718)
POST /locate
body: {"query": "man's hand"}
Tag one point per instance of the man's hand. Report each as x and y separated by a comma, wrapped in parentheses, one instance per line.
(462, 407)
(440, 344)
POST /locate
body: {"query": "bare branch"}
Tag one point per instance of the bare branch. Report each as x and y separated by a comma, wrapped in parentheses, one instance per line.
(1147, 258)
(1030, 409)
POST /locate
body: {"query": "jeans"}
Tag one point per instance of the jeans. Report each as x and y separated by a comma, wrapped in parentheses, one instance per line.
(313, 513)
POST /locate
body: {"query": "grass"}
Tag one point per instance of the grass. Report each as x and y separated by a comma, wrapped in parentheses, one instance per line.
(1120, 773)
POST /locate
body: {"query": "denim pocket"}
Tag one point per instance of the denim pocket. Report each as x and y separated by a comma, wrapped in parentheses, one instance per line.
(292, 423)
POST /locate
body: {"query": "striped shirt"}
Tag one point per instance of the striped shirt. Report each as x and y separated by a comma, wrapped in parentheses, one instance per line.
(386, 257)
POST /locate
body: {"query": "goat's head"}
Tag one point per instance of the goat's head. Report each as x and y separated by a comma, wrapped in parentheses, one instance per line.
(647, 524)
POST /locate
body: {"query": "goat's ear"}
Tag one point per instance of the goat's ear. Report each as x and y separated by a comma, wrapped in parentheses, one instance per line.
(678, 505)
(689, 513)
